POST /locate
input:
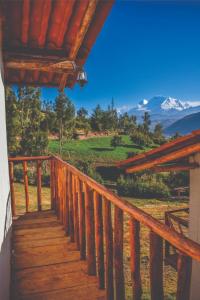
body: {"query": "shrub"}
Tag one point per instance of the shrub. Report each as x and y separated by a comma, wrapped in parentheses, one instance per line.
(146, 186)
(140, 138)
(116, 141)
(87, 168)
(32, 175)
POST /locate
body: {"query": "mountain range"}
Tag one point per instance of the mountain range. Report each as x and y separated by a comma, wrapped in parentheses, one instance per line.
(164, 110)
(184, 125)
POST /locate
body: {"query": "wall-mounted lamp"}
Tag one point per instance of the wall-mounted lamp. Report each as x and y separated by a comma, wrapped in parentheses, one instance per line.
(82, 78)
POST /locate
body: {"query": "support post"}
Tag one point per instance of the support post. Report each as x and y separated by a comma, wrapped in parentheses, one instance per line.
(194, 223)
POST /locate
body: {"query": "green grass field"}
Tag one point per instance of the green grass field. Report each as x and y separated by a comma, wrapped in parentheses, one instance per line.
(97, 149)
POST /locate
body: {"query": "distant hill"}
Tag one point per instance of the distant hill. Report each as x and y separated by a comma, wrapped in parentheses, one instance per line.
(184, 125)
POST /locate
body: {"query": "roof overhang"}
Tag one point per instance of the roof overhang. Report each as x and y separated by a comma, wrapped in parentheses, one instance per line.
(46, 42)
(172, 156)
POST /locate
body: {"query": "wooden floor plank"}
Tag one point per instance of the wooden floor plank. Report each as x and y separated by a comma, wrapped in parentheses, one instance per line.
(46, 265)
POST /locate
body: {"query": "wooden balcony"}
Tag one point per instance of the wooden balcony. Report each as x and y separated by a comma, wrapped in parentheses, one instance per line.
(76, 249)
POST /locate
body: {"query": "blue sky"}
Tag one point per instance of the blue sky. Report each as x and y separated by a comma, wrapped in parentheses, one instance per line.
(144, 49)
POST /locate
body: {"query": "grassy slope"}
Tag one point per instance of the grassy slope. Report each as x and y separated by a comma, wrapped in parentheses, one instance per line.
(97, 149)
(154, 207)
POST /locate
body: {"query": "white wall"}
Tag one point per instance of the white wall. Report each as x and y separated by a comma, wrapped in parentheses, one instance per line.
(194, 224)
(5, 210)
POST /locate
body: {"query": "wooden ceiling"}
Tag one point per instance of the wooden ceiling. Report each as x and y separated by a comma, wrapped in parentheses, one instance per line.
(45, 42)
(172, 156)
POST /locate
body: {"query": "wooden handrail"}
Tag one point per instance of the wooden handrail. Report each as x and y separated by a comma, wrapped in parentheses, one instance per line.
(28, 158)
(185, 245)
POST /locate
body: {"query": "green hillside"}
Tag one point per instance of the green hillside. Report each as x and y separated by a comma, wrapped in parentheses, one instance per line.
(97, 149)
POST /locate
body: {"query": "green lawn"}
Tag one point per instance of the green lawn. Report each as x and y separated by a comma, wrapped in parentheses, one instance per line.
(97, 149)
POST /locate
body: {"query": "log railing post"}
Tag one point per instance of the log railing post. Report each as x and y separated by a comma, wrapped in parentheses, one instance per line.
(184, 266)
(56, 185)
(59, 190)
(76, 214)
(90, 231)
(67, 230)
(71, 207)
(135, 258)
(167, 244)
(99, 239)
(118, 254)
(39, 185)
(156, 266)
(52, 182)
(12, 190)
(82, 233)
(63, 195)
(109, 250)
(25, 175)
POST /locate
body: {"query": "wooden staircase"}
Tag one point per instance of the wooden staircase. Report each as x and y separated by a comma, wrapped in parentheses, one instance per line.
(46, 265)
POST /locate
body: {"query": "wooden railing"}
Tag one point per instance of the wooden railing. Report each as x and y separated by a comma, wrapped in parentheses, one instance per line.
(87, 209)
(177, 220)
(24, 164)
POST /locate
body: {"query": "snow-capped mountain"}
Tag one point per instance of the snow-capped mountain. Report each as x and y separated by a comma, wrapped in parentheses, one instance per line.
(165, 110)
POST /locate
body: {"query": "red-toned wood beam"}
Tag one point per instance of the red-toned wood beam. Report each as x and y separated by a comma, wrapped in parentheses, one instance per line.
(14, 79)
(178, 167)
(102, 11)
(41, 64)
(25, 21)
(60, 17)
(63, 82)
(79, 34)
(75, 24)
(13, 11)
(184, 152)
(83, 29)
(39, 18)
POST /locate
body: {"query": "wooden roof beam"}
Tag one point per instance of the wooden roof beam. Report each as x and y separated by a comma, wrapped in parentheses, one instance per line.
(41, 64)
(84, 28)
(186, 151)
(175, 168)
(80, 36)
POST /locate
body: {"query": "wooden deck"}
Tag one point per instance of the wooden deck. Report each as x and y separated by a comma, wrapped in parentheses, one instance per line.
(46, 265)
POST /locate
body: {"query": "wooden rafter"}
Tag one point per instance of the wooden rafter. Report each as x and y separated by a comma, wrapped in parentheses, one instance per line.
(80, 36)
(84, 28)
(183, 152)
(41, 64)
(25, 21)
(175, 167)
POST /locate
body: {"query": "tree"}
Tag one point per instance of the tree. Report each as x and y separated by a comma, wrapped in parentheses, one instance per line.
(65, 113)
(158, 136)
(116, 141)
(48, 109)
(146, 122)
(82, 122)
(140, 138)
(34, 138)
(126, 123)
(97, 119)
(112, 117)
(175, 136)
(12, 121)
